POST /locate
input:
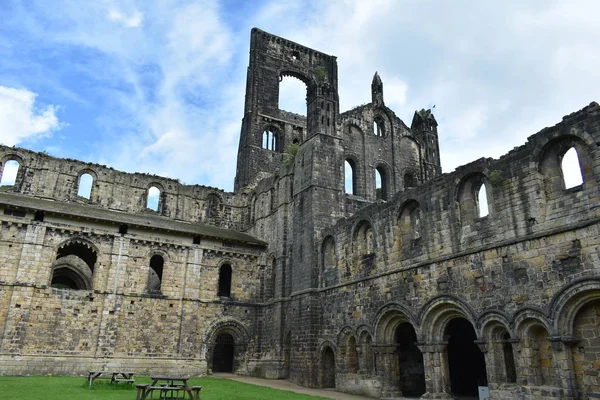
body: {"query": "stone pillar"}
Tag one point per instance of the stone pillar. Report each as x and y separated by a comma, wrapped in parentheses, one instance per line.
(437, 373)
(563, 353)
(386, 358)
(492, 367)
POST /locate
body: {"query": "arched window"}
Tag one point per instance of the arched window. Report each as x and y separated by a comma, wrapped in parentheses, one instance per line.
(269, 140)
(155, 274)
(350, 177)
(409, 224)
(224, 281)
(378, 127)
(409, 180)
(74, 266)
(84, 188)
(571, 169)
(380, 184)
(9, 173)
(474, 198)
(330, 271)
(153, 200)
(292, 95)
(482, 202)
(363, 239)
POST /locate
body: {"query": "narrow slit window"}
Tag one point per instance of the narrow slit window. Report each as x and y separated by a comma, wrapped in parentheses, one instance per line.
(349, 177)
(9, 174)
(153, 198)
(85, 186)
(571, 169)
(482, 202)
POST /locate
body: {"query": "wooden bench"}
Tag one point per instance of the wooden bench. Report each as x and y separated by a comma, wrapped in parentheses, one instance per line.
(114, 376)
(167, 392)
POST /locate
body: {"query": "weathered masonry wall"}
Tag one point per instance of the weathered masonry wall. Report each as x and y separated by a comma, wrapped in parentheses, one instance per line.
(118, 322)
(47, 177)
(527, 275)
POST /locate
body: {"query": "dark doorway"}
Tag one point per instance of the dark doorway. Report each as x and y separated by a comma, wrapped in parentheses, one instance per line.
(223, 353)
(465, 360)
(328, 368)
(410, 361)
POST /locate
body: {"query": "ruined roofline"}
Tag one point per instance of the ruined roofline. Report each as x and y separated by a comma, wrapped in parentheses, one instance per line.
(147, 221)
(290, 43)
(20, 151)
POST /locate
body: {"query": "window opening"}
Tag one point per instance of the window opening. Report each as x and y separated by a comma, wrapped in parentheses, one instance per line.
(292, 95)
(9, 173)
(38, 216)
(571, 169)
(14, 212)
(155, 274)
(123, 229)
(269, 140)
(482, 202)
(378, 129)
(85, 186)
(153, 198)
(380, 184)
(409, 180)
(349, 177)
(224, 281)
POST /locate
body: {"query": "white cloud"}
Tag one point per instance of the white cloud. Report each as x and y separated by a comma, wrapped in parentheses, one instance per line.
(20, 119)
(134, 20)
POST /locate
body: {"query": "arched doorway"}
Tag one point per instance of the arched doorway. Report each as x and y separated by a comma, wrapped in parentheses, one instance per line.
(465, 360)
(223, 353)
(328, 368)
(410, 361)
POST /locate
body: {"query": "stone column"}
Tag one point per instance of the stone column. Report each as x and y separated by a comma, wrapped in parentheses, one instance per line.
(563, 353)
(386, 367)
(492, 367)
(437, 373)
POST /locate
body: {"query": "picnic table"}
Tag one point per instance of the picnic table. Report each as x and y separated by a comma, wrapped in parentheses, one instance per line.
(168, 387)
(114, 376)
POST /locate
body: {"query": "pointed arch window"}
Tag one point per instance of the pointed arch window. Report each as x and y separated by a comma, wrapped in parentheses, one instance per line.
(9, 173)
(571, 169)
(482, 202)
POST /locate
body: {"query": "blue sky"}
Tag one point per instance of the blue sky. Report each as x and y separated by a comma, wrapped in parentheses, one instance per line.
(158, 86)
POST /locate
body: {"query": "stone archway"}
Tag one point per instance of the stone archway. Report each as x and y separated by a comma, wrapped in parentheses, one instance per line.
(223, 354)
(410, 361)
(328, 368)
(466, 362)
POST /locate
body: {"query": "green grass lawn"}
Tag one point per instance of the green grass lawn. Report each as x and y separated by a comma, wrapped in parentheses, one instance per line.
(76, 388)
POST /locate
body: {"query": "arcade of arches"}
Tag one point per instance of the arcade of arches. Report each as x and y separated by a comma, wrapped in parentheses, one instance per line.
(448, 356)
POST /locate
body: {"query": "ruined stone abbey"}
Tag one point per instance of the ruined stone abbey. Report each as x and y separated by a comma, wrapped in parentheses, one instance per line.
(391, 286)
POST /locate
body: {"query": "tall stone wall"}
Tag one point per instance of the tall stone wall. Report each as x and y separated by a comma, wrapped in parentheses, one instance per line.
(118, 322)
